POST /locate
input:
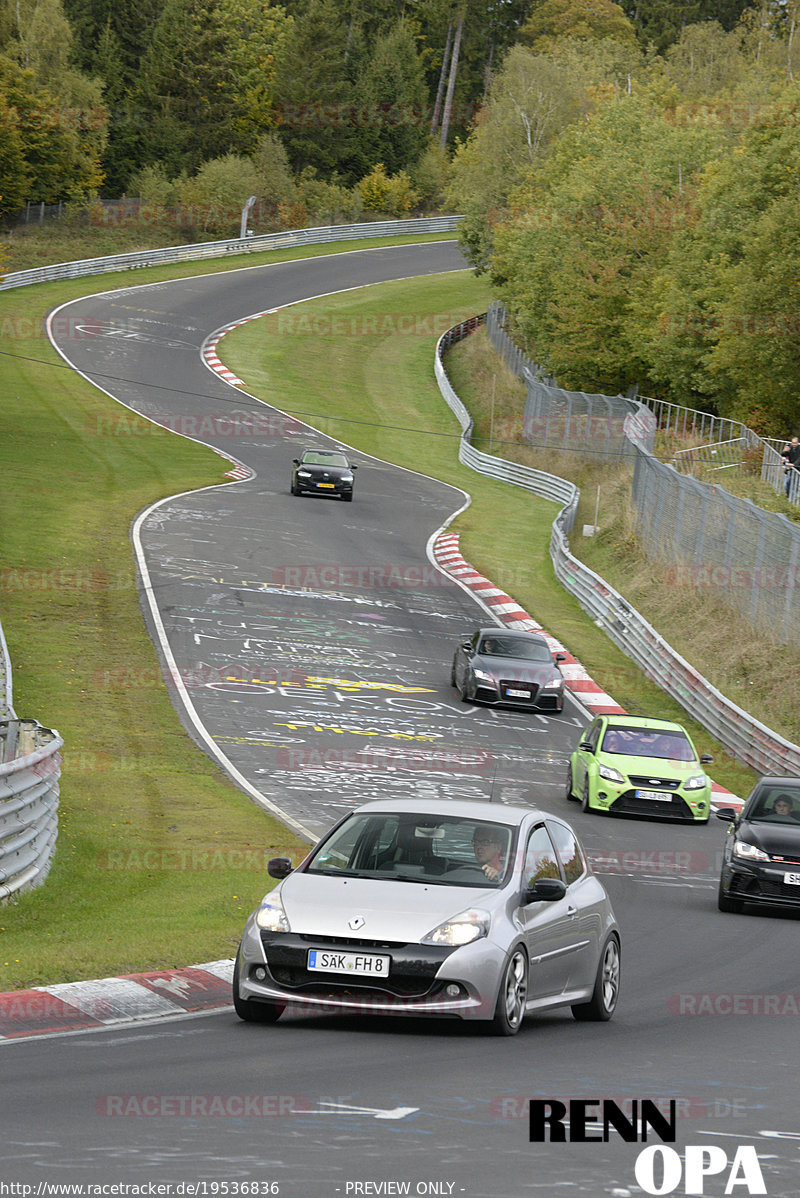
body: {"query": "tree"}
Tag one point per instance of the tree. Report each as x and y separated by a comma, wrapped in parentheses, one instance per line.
(577, 258)
(659, 23)
(316, 80)
(60, 143)
(705, 61)
(593, 20)
(393, 97)
(532, 99)
(206, 83)
(734, 279)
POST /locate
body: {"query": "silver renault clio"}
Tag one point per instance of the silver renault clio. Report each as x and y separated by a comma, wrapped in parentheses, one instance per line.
(464, 910)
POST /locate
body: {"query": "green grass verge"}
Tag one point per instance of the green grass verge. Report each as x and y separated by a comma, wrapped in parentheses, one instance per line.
(379, 395)
(159, 857)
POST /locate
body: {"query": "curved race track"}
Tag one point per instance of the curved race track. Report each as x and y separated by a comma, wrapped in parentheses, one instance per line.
(435, 1108)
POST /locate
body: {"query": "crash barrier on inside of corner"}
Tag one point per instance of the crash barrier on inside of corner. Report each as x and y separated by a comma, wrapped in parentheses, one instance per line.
(734, 551)
(745, 737)
(30, 768)
(289, 239)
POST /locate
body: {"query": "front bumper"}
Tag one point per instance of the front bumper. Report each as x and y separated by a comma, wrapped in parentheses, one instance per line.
(538, 700)
(761, 884)
(273, 968)
(621, 799)
(311, 486)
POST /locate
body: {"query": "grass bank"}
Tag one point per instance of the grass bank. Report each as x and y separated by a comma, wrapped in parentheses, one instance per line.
(380, 396)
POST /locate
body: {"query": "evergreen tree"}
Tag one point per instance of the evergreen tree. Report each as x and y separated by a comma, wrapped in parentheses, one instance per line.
(392, 94)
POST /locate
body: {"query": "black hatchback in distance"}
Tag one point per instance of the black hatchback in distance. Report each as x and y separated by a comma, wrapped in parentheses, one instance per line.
(323, 471)
(761, 860)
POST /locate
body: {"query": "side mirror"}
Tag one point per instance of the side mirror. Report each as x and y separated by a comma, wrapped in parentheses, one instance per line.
(467, 646)
(279, 867)
(727, 815)
(706, 759)
(545, 890)
(354, 465)
(295, 461)
(561, 657)
(587, 745)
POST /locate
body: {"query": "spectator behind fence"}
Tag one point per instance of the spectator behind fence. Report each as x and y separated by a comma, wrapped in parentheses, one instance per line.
(790, 456)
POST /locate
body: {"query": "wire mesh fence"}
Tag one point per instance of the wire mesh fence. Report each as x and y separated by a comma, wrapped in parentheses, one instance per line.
(708, 539)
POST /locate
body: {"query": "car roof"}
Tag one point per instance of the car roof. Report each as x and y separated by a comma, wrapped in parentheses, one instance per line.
(777, 780)
(642, 721)
(318, 449)
(466, 808)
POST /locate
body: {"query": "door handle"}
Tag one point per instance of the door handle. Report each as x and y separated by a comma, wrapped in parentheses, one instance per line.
(572, 912)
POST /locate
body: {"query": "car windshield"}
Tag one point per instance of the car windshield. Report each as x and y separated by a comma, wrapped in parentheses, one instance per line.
(315, 457)
(669, 743)
(403, 847)
(512, 646)
(775, 805)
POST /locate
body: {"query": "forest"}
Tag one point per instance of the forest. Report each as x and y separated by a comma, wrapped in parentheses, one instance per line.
(628, 174)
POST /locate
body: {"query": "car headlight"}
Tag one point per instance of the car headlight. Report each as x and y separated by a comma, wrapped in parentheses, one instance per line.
(346, 478)
(741, 848)
(552, 683)
(271, 915)
(304, 474)
(697, 782)
(470, 925)
(482, 676)
(609, 773)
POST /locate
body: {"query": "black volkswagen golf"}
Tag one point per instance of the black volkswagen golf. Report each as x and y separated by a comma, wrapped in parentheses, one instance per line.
(761, 861)
(323, 471)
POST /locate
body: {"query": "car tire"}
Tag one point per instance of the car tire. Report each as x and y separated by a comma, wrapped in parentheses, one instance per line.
(569, 787)
(348, 498)
(727, 904)
(462, 693)
(602, 1004)
(585, 804)
(293, 489)
(453, 674)
(249, 1009)
(510, 1010)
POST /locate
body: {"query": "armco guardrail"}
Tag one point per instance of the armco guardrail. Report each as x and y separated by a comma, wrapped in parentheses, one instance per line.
(230, 247)
(30, 768)
(746, 738)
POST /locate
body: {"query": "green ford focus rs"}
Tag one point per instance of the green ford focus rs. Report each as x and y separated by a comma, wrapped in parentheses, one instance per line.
(632, 765)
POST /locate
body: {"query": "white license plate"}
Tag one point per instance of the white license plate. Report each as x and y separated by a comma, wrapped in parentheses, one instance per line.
(792, 879)
(330, 486)
(325, 961)
(512, 693)
(655, 796)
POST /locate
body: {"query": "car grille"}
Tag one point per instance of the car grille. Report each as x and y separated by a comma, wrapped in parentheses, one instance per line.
(311, 983)
(412, 971)
(628, 804)
(355, 945)
(762, 886)
(646, 782)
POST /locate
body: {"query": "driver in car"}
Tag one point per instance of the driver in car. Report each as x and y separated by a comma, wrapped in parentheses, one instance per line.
(488, 848)
(784, 806)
